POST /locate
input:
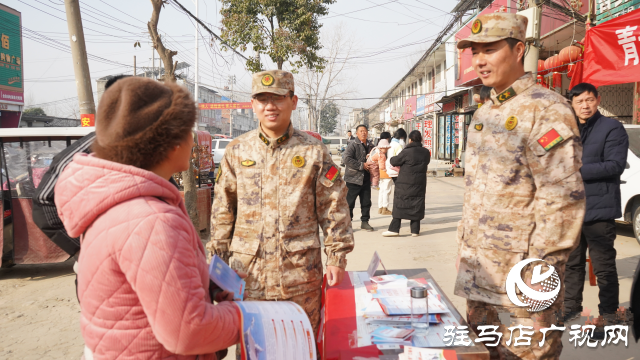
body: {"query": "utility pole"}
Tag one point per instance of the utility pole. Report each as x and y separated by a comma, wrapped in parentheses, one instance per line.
(196, 92)
(534, 13)
(153, 59)
(79, 55)
(232, 80)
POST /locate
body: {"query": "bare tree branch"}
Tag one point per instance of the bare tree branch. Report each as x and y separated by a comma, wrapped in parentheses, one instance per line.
(165, 54)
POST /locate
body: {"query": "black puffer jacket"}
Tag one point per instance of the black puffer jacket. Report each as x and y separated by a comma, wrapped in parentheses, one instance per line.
(411, 185)
(605, 144)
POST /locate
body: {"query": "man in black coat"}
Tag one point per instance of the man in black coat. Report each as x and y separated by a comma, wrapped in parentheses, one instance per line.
(357, 175)
(604, 156)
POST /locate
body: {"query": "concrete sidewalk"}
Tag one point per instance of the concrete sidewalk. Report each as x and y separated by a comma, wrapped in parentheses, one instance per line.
(436, 250)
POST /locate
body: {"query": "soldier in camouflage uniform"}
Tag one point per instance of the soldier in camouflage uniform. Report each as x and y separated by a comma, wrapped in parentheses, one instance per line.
(275, 186)
(524, 196)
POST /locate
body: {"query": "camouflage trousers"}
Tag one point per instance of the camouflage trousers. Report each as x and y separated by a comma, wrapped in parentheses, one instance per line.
(480, 313)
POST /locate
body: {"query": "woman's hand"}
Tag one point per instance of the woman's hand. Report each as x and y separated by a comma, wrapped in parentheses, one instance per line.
(228, 295)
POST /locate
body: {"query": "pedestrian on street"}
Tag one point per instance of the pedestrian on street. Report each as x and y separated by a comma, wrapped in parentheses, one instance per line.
(350, 136)
(357, 175)
(275, 187)
(143, 279)
(397, 144)
(604, 156)
(411, 185)
(524, 195)
(385, 181)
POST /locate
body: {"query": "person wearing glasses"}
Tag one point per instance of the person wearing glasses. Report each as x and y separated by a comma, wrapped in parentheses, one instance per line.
(275, 186)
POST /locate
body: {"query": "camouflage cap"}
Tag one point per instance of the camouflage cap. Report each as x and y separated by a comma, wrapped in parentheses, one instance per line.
(495, 27)
(272, 81)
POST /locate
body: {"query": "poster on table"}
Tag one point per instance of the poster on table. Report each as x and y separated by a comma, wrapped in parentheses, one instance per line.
(275, 330)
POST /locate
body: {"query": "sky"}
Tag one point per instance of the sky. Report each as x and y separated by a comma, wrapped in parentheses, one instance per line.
(389, 36)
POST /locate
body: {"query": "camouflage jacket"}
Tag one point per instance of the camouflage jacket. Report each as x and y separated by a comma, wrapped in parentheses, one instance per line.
(270, 198)
(524, 196)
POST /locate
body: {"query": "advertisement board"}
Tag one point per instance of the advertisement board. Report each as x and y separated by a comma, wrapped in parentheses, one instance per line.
(11, 81)
(409, 108)
(420, 104)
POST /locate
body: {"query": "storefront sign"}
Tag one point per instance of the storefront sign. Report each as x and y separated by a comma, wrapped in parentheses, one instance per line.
(611, 9)
(220, 106)
(420, 103)
(611, 51)
(409, 108)
(10, 51)
(428, 129)
(448, 107)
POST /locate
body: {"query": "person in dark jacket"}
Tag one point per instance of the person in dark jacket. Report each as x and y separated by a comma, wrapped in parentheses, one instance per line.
(357, 175)
(411, 185)
(605, 144)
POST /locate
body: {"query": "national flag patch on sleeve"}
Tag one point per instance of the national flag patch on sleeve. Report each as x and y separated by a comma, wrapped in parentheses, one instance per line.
(332, 174)
(550, 139)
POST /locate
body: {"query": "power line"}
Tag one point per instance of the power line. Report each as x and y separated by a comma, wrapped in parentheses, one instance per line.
(209, 30)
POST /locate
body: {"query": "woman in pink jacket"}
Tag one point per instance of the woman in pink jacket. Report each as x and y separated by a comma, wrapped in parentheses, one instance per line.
(143, 281)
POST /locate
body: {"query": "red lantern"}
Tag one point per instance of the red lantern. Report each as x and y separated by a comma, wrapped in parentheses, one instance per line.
(574, 53)
(557, 79)
(548, 63)
(541, 70)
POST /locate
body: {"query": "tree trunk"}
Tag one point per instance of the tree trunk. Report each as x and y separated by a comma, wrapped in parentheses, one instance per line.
(166, 55)
(191, 195)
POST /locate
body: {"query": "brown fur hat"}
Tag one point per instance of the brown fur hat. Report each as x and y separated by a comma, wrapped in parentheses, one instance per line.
(139, 120)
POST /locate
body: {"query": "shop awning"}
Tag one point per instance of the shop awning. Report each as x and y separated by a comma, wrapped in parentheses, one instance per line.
(448, 98)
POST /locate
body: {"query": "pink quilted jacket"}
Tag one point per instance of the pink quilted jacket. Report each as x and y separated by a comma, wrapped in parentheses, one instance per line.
(143, 280)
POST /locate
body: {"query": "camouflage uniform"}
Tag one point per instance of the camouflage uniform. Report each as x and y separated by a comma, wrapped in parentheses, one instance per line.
(524, 196)
(271, 196)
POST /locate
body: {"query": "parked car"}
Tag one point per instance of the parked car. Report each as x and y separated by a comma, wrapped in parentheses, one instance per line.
(26, 156)
(630, 182)
(335, 143)
(218, 146)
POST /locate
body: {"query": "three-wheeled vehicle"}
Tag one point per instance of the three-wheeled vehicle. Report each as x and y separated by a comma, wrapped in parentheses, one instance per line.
(26, 156)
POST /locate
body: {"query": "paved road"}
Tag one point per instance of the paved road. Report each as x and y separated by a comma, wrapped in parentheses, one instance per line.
(40, 313)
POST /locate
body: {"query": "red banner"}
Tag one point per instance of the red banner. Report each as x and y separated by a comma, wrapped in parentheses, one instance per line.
(611, 51)
(222, 106)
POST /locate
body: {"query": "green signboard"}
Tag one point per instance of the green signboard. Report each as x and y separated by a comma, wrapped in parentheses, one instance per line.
(10, 50)
(611, 9)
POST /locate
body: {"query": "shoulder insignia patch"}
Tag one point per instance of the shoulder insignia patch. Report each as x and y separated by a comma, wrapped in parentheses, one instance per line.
(550, 139)
(478, 126)
(264, 139)
(332, 174)
(298, 161)
(506, 95)
(511, 123)
(219, 173)
(248, 162)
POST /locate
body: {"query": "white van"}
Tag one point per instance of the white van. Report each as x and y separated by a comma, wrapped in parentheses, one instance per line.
(630, 182)
(336, 143)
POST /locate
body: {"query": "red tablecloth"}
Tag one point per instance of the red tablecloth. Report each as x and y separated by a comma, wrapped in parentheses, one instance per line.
(340, 327)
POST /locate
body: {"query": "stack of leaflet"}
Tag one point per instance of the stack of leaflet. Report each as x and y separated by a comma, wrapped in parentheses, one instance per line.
(388, 309)
(387, 335)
